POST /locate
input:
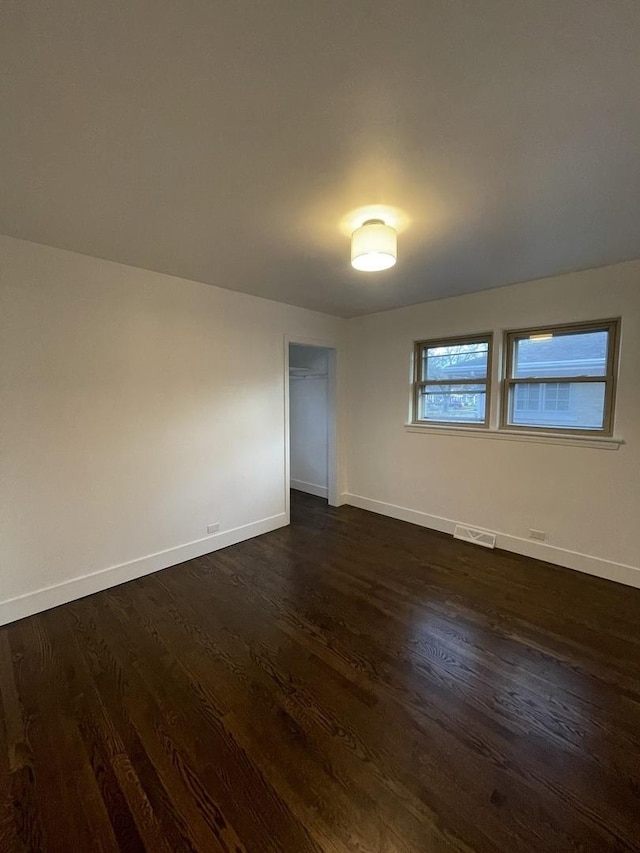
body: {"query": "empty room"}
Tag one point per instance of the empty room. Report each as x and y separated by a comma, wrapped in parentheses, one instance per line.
(320, 426)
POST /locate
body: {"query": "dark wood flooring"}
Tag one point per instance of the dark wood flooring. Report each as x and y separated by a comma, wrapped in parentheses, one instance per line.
(349, 683)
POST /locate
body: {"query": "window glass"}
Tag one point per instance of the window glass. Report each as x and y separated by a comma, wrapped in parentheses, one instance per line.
(558, 355)
(568, 405)
(459, 361)
(453, 403)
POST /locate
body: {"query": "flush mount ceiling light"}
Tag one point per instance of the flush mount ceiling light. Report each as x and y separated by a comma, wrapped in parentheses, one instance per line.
(374, 246)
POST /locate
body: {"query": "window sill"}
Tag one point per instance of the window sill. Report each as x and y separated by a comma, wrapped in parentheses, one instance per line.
(596, 442)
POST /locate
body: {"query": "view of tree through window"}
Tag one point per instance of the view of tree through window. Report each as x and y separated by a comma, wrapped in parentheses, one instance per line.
(452, 381)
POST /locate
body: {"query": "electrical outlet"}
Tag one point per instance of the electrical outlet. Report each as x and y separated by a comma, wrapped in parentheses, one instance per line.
(213, 528)
(538, 535)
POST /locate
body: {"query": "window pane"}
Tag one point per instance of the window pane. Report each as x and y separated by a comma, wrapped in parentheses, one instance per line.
(456, 361)
(452, 403)
(574, 354)
(567, 405)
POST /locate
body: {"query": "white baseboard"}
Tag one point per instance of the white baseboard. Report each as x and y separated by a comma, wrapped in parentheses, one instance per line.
(620, 572)
(52, 596)
(310, 488)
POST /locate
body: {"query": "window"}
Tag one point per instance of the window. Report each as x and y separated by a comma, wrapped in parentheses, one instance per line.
(551, 397)
(561, 378)
(527, 398)
(452, 381)
(557, 397)
(556, 379)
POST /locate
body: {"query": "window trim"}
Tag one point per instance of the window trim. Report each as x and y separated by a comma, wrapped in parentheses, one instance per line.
(595, 442)
(612, 326)
(418, 382)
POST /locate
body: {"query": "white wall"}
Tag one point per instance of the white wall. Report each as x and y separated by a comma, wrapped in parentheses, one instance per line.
(308, 415)
(588, 500)
(135, 408)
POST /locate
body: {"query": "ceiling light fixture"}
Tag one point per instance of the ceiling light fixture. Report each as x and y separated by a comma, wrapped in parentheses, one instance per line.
(374, 246)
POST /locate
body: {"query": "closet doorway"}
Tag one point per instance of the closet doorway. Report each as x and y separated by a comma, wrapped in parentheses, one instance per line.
(312, 420)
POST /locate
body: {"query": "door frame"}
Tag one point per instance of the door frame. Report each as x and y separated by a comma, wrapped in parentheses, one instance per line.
(332, 418)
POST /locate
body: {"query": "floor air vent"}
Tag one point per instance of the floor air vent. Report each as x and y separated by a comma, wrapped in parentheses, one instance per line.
(478, 537)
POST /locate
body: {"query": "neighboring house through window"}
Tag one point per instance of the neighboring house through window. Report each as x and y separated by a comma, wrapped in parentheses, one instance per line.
(561, 378)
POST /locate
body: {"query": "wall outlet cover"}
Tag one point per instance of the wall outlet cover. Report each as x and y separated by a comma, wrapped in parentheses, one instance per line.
(538, 535)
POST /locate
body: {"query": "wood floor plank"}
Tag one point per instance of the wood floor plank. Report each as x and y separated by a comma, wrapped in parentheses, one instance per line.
(349, 683)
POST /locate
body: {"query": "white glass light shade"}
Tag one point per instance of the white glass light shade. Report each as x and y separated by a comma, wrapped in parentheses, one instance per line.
(374, 246)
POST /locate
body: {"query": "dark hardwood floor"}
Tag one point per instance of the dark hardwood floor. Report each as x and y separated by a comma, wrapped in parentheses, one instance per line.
(349, 683)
